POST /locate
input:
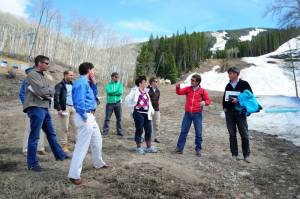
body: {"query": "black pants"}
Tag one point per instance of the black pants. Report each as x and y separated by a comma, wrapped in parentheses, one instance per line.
(109, 109)
(233, 120)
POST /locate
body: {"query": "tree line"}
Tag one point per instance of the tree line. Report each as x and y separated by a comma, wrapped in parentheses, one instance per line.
(265, 42)
(167, 57)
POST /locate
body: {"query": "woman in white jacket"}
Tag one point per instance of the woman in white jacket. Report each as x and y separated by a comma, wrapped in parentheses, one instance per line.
(138, 100)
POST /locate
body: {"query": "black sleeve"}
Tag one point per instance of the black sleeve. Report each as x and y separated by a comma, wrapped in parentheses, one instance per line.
(247, 86)
(57, 97)
(223, 101)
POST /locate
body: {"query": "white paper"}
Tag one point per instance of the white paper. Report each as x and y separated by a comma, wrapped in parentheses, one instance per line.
(65, 113)
(31, 90)
(229, 94)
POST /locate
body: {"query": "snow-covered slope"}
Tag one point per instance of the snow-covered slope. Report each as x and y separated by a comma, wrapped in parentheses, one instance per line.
(221, 41)
(251, 34)
(222, 38)
(291, 46)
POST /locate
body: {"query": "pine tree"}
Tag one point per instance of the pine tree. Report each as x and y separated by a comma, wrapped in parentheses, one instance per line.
(145, 62)
(170, 65)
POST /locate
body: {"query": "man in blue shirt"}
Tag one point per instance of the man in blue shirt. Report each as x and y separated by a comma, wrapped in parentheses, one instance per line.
(88, 132)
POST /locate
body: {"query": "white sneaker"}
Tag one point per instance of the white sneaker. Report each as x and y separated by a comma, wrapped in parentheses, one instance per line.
(151, 149)
(234, 158)
(140, 151)
(247, 159)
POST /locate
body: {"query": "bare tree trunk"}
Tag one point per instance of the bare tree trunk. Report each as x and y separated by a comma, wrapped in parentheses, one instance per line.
(36, 33)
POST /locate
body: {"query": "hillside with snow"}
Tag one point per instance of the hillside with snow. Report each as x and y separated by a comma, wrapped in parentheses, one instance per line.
(221, 40)
(267, 75)
(251, 34)
(222, 37)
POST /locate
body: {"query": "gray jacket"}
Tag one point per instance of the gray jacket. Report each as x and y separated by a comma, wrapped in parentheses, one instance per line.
(38, 92)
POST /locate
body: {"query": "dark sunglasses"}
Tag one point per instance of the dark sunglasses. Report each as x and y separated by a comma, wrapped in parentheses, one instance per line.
(116, 77)
(47, 63)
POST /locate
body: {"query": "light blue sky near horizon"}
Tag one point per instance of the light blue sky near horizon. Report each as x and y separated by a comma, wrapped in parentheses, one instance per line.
(140, 18)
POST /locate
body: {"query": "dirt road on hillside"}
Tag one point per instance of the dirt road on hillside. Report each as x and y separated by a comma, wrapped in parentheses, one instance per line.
(274, 172)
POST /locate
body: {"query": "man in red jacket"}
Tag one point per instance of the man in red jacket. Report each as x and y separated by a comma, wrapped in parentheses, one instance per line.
(196, 98)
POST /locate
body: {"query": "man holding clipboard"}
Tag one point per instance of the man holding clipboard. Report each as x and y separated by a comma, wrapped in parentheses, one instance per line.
(235, 120)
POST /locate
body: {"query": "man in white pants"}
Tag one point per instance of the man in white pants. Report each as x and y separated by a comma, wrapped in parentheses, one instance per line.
(84, 94)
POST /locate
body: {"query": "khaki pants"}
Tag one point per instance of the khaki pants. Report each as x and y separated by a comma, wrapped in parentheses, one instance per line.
(65, 121)
(41, 146)
(155, 125)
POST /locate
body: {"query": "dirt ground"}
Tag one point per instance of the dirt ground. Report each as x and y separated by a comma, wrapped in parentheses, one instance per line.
(273, 173)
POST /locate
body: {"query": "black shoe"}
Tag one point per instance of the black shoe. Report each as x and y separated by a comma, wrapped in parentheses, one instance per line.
(156, 140)
(198, 153)
(67, 156)
(36, 168)
(178, 151)
(120, 134)
(105, 134)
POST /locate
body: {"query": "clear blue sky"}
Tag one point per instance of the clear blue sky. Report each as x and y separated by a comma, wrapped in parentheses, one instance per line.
(140, 18)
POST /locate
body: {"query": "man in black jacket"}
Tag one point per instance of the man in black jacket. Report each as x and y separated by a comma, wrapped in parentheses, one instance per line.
(154, 94)
(63, 103)
(235, 120)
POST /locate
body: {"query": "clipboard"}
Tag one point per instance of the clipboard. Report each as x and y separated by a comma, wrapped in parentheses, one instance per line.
(230, 94)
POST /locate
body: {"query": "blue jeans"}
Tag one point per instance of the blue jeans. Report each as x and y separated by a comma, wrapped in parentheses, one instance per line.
(40, 119)
(141, 122)
(188, 118)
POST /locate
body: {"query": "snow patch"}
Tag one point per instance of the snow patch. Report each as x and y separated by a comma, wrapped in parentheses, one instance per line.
(291, 45)
(251, 34)
(221, 41)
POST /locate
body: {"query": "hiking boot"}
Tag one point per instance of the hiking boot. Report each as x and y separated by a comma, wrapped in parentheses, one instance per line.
(198, 153)
(151, 149)
(120, 134)
(140, 151)
(247, 159)
(105, 134)
(156, 140)
(36, 168)
(42, 152)
(75, 181)
(178, 151)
